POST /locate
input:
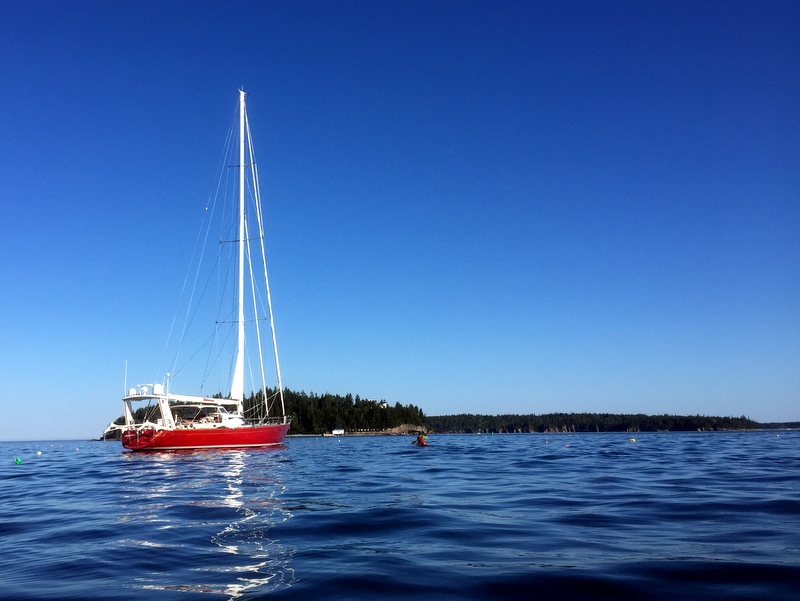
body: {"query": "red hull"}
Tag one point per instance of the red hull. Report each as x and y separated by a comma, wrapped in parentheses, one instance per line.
(211, 438)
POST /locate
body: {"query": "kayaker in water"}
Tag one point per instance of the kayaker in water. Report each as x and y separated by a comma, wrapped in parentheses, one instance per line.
(421, 440)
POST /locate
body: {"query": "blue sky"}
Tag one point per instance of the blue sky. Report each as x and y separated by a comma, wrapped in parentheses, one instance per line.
(485, 207)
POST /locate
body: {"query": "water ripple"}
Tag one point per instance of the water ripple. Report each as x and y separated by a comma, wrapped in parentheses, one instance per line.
(694, 515)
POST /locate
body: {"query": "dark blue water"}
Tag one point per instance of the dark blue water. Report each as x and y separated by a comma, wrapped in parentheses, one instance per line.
(588, 516)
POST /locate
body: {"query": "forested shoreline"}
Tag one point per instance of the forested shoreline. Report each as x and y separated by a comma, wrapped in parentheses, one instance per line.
(586, 422)
(321, 414)
(316, 414)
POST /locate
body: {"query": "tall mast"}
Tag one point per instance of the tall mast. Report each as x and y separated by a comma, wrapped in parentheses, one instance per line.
(237, 386)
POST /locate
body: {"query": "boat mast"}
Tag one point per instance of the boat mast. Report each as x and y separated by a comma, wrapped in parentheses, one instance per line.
(237, 386)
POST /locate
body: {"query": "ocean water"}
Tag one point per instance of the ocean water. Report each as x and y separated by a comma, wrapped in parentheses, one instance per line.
(516, 516)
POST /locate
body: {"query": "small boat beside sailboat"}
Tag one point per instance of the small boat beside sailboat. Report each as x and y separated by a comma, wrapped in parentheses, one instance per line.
(155, 418)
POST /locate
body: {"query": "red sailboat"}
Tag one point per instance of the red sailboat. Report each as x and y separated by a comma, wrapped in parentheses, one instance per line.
(155, 418)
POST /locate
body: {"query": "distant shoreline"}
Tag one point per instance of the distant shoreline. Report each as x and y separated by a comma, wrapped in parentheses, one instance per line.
(338, 424)
(551, 423)
(362, 435)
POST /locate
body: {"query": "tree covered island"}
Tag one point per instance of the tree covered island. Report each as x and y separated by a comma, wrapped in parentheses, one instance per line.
(586, 422)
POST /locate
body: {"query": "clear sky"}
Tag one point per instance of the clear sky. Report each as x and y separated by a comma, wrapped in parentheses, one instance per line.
(484, 207)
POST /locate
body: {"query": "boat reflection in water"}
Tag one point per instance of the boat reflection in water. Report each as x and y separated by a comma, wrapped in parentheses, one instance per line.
(200, 521)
